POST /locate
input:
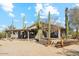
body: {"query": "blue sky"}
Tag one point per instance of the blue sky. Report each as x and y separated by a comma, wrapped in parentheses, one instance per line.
(16, 10)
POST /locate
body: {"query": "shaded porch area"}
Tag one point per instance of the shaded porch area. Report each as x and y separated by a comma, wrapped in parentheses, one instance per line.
(21, 34)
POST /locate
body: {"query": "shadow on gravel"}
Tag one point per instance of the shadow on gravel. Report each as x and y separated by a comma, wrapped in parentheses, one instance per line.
(72, 53)
(67, 52)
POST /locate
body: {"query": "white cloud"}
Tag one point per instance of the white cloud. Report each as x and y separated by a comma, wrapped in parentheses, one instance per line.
(32, 22)
(25, 22)
(29, 8)
(52, 10)
(7, 6)
(77, 4)
(22, 14)
(3, 26)
(15, 20)
(12, 15)
(45, 8)
(39, 7)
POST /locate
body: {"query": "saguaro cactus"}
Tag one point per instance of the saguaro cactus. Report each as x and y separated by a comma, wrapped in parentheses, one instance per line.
(38, 26)
(24, 25)
(39, 19)
(12, 23)
(66, 22)
(39, 35)
(49, 28)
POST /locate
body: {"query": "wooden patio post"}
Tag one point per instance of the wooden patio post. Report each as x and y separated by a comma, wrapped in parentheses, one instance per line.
(59, 33)
(28, 34)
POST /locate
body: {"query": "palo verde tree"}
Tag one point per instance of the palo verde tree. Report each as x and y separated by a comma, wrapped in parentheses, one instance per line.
(74, 19)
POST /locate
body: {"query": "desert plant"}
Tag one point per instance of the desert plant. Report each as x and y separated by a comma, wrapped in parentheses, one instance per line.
(66, 22)
(2, 35)
(49, 27)
(74, 19)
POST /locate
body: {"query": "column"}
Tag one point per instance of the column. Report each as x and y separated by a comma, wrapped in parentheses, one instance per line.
(28, 34)
(59, 34)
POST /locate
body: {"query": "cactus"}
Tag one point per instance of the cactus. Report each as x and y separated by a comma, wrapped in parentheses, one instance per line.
(66, 22)
(39, 19)
(49, 27)
(38, 24)
(12, 22)
(24, 25)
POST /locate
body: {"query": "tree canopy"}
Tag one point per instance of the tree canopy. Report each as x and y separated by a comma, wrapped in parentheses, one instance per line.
(74, 19)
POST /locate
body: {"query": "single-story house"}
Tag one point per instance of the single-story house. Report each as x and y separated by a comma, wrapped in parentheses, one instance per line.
(31, 32)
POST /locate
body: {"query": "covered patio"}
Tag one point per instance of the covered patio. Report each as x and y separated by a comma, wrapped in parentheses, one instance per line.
(31, 32)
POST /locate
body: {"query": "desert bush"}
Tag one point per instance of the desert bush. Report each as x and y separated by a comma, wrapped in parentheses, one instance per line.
(2, 35)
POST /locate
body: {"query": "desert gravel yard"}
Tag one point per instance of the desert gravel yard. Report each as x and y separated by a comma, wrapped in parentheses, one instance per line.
(32, 48)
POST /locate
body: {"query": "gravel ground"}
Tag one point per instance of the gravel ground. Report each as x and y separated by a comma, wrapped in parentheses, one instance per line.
(32, 48)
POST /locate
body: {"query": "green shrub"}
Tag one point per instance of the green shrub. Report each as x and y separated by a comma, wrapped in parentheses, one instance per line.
(2, 35)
